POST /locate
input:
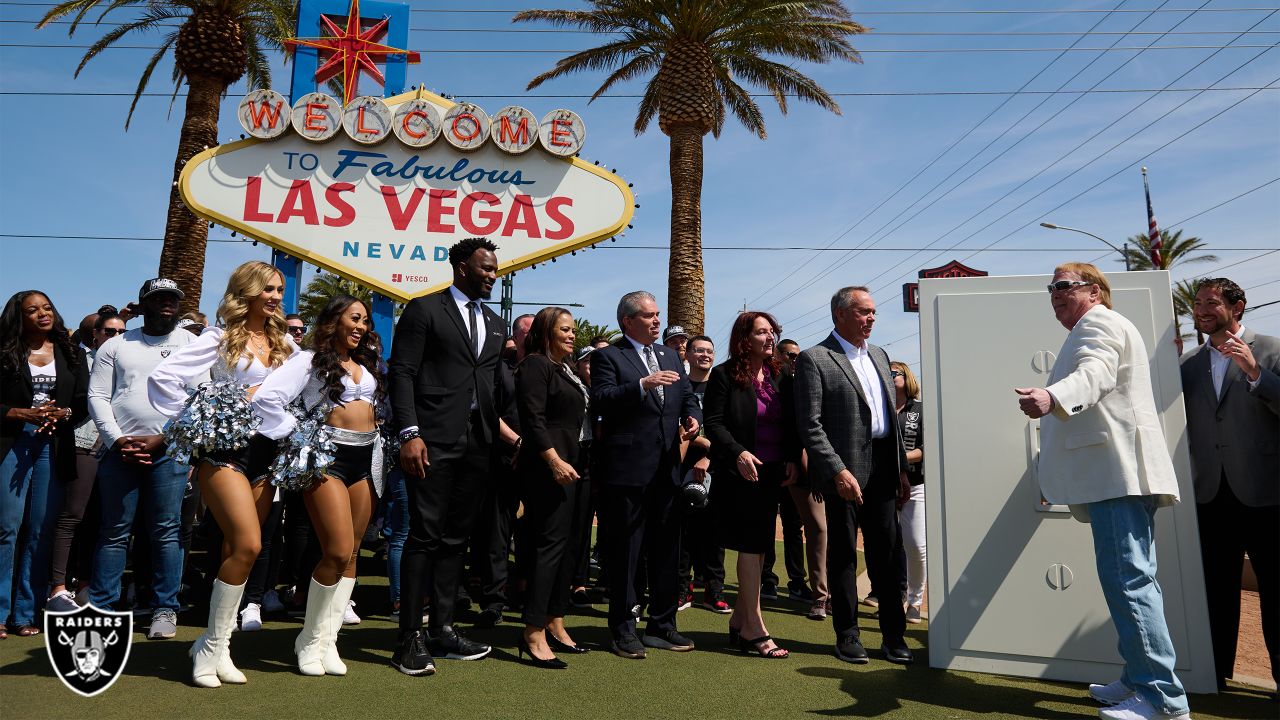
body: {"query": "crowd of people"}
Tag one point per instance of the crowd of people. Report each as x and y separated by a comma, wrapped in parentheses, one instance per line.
(284, 448)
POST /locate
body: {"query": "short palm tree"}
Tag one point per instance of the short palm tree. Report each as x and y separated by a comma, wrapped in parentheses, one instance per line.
(1174, 250)
(215, 44)
(585, 331)
(694, 54)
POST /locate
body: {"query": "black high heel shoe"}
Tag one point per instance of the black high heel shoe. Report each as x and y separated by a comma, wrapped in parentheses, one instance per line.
(560, 646)
(554, 663)
(735, 634)
(757, 646)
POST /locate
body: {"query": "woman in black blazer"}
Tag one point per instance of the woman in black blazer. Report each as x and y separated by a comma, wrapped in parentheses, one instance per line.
(552, 403)
(750, 422)
(44, 387)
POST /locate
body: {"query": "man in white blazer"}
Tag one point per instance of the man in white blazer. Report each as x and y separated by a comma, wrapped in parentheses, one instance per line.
(1103, 452)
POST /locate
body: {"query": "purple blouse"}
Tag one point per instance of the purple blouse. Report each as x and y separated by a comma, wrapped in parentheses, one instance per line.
(768, 422)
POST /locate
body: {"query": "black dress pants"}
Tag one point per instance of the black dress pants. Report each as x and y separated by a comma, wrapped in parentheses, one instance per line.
(792, 546)
(443, 507)
(635, 518)
(491, 538)
(1228, 530)
(546, 550)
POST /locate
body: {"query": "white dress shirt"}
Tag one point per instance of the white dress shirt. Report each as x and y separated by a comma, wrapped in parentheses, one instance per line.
(640, 349)
(865, 370)
(461, 299)
(1218, 364)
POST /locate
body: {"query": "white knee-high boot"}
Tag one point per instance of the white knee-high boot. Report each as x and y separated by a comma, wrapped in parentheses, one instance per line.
(211, 652)
(333, 664)
(312, 641)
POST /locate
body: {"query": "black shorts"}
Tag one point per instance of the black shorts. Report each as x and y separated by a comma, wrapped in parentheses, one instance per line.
(352, 463)
(253, 460)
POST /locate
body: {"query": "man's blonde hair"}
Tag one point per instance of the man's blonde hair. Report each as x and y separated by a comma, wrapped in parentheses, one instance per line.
(1090, 274)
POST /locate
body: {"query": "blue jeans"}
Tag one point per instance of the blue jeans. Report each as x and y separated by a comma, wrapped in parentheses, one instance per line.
(1124, 543)
(162, 485)
(396, 529)
(32, 496)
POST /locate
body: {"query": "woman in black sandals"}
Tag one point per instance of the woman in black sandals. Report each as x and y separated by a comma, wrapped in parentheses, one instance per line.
(750, 422)
(552, 402)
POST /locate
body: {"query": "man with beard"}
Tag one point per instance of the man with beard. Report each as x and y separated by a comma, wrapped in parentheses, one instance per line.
(443, 373)
(135, 462)
(1231, 387)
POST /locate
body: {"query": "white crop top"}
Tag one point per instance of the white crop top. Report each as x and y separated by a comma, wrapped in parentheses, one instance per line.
(294, 379)
(167, 386)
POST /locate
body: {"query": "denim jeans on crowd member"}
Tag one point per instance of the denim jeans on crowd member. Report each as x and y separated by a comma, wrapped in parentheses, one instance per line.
(31, 497)
(161, 486)
(395, 528)
(1124, 545)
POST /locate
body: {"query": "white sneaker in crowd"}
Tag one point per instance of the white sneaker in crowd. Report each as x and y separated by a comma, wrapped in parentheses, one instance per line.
(1137, 708)
(271, 602)
(251, 617)
(349, 616)
(62, 601)
(1111, 694)
(164, 625)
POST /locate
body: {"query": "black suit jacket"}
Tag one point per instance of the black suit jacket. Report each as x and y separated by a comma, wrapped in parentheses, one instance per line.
(552, 408)
(434, 372)
(640, 436)
(731, 416)
(71, 391)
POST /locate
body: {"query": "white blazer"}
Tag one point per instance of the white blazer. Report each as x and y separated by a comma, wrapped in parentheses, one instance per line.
(1104, 439)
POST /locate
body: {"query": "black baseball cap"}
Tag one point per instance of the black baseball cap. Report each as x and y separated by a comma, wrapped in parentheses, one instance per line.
(158, 285)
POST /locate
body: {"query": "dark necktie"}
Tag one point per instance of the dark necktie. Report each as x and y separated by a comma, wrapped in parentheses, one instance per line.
(652, 362)
(475, 336)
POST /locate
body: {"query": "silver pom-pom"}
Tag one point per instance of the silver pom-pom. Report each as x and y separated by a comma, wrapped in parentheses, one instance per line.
(217, 416)
(308, 451)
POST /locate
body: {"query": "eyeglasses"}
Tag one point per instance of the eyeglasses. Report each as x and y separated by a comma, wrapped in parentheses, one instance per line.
(109, 332)
(1064, 285)
(792, 355)
(296, 330)
(897, 373)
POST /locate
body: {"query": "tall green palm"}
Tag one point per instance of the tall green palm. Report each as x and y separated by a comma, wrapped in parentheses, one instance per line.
(585, 330)
(1174, 250)
(215, 44)
(694, 54)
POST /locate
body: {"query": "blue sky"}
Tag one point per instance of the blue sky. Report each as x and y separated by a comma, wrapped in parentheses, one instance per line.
(912, 181)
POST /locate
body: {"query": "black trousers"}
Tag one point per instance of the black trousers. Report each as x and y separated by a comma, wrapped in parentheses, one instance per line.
(583, 511)
(443, 507)
(546, 546)
(1228, 530)
(491, 538)
(636, 518)
(792, 546)
(878, 518)
(701, 554)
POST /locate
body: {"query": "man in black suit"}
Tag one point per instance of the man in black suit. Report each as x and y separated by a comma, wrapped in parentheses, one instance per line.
(846, 421)
(443, 369)
(646, 405)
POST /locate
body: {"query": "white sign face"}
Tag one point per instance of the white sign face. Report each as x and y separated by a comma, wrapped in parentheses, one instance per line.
(264, 114)
(386, 216)
(417, 123)
(562, 132)
(515, 129)
(466, 126)
(367, 120)
(317, 116)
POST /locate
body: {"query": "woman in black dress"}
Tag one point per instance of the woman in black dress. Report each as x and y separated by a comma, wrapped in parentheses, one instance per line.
(552, 403)
(750, 422)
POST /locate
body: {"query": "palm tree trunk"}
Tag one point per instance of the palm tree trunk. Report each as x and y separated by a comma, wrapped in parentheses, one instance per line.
(185, 235)
(686, 286)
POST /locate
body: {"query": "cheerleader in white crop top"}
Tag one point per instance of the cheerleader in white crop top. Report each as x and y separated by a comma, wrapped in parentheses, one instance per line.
(230, 462)
(322, 404)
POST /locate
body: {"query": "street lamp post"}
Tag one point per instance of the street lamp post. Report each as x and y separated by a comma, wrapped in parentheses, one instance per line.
(1124, 253)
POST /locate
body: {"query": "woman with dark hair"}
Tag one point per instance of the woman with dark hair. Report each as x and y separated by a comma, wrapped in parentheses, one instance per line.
(43, 395)
(552, 403)
(230, 462)
(754, 451)
(334, 455)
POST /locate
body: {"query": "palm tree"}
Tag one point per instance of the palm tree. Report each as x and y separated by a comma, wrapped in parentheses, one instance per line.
(1184, 302)
(1174, 250)
(216, 43)
(694, 54)
(585, 331)
(324, 287)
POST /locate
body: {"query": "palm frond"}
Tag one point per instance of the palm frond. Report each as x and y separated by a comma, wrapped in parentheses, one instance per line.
(146, 75)
(149, 20)
(742, 105)
(604, 57)
(649, 106)
(61, 10)
(781, 80)
(645, 62)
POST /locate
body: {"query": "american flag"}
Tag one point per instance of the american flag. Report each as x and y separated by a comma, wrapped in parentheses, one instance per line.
(1153, 229)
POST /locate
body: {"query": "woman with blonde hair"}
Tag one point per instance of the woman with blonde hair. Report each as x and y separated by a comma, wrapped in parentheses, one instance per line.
(231, 462)
(910, 413)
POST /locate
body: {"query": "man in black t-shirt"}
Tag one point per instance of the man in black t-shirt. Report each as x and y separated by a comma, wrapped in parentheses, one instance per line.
(701, 556)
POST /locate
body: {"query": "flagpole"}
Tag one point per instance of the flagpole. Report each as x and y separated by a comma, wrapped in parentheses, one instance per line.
(1154, 245)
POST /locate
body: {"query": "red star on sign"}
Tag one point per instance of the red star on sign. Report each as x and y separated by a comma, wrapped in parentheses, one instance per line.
(353, 50)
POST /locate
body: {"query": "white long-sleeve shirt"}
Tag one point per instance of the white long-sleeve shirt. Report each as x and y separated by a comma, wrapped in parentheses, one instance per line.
(118, 400)
(167, 386)
(297, 378)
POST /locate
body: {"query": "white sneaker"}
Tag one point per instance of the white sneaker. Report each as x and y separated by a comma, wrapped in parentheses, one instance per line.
(349, 616)
(1137, 708)
(62, 601)
(251, 617)
(164, 625)
(271, 602)
(1113, 694)
(913, 616)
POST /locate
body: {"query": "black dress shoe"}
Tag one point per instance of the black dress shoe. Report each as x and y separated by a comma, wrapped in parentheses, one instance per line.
(411, 657)
(556, 644)
(897, 652)
(850, 650)
(551, 663)
(668, 640)
(489, 617)
(448, 644)
(580, 599)
(628, 646)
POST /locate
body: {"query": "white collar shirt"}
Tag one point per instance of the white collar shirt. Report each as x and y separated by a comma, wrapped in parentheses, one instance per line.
(865, 370)
(461, 300)
(640, 348)
(1218, 365)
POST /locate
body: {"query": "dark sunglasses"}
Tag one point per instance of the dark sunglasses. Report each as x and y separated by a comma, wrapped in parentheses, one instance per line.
(293, 330)
(897, 373)
(1063, 285)
(109, 332)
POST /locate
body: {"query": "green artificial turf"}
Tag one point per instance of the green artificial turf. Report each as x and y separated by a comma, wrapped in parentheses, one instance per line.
(712, 682)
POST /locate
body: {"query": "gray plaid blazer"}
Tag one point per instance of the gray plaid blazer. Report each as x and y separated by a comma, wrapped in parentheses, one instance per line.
(833, 417)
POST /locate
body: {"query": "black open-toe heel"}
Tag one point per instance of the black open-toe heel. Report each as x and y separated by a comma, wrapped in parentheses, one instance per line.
(560, 646)
(735, 634)
(554, 663)
(774, 653)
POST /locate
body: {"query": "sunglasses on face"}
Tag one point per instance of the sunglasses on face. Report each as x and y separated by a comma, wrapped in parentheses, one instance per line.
(109, 332)
(897, 373)
(293, 330)
(1064, 285)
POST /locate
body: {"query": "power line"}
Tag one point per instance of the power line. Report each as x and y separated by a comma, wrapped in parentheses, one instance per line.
(1068, 11)
(523, 51)
(1224, 202)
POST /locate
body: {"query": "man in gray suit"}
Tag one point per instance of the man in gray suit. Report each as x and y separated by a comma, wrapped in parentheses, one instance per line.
(846, 420)
(1231, 387)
